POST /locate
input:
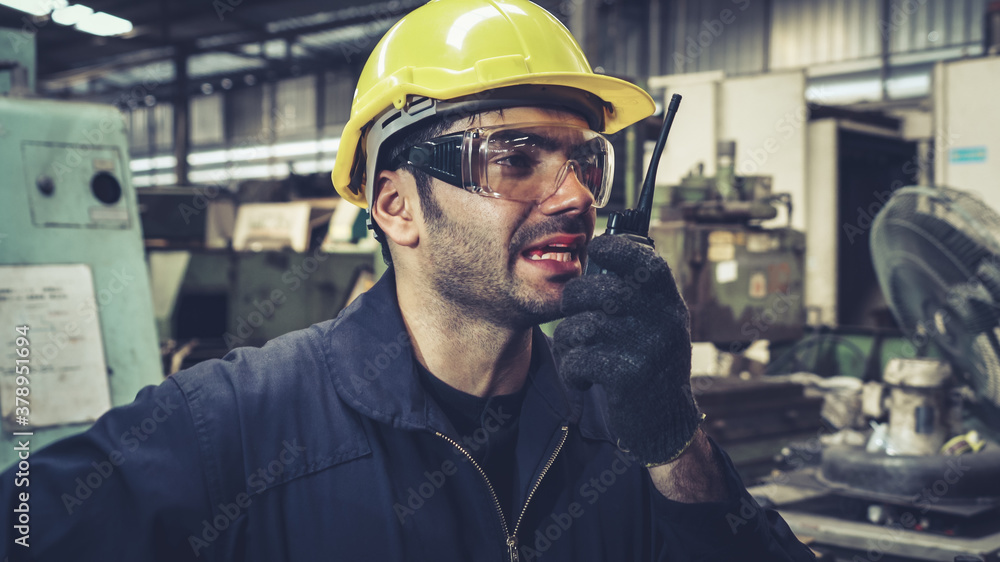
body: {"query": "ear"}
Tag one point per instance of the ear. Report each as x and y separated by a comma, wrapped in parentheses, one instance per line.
(393, 207)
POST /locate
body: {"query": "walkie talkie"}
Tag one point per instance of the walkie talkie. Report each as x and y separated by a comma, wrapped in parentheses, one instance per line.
(634, 223)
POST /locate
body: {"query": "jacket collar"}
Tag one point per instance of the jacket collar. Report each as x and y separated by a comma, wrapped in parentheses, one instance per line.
(370, 358)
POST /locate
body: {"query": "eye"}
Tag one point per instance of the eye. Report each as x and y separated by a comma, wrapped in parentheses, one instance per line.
(517, 160)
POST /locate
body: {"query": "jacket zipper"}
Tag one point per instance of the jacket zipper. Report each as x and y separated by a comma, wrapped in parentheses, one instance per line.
(511, 537)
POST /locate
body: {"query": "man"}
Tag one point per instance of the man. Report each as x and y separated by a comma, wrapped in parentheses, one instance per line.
(431, 419)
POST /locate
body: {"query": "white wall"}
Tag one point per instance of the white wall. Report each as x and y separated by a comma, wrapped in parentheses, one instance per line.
(820, 213)
(967, 115)
(766, 115)
(693, 135)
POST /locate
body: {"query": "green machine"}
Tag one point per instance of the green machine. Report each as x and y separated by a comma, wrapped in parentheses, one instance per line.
(247, 268)
(742, 281)
(209, 302)
(77, 335)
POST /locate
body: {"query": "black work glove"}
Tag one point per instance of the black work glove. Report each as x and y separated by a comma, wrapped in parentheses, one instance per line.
(628, 331)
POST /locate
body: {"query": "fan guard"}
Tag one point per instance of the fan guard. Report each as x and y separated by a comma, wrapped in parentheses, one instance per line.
(936, 253)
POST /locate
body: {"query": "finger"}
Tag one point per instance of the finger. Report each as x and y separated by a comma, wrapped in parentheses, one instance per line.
(585, 366)
(630, 260)
(595, 292)
(586, 328)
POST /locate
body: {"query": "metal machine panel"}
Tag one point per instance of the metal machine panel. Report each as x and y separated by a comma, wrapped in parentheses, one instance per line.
(81, 165)
(824, 230)
(66, 198)
(765, 115)
(235, 299)
(17, 52)
(741, 284)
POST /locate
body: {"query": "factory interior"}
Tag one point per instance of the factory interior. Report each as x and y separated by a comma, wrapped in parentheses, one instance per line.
(828, 201)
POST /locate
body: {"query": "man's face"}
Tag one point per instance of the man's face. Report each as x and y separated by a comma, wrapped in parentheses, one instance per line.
(501, 260)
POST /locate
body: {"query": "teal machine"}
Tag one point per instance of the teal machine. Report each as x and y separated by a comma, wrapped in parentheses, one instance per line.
(73, 277)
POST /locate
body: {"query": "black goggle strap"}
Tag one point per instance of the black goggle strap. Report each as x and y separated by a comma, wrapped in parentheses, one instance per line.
(440, 158)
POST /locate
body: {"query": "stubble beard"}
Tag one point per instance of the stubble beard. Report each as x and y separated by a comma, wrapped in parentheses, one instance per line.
(472, 271)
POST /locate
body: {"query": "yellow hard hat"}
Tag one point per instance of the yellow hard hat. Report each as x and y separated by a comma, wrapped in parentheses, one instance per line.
(478, 51)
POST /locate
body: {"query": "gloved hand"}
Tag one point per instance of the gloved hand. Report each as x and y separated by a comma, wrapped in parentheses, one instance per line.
(628, 331)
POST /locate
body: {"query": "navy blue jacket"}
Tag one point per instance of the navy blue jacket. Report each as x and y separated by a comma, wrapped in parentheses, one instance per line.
(322, 445)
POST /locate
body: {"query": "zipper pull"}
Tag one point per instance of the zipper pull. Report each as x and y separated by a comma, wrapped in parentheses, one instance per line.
(512, 548)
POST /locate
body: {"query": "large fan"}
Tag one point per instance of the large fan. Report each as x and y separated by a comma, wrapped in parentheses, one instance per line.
(937, 256)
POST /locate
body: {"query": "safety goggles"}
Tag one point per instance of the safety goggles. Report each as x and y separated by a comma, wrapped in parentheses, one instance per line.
(522, 162)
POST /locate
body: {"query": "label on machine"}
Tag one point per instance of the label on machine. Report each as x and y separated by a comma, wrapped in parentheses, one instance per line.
(727, 271)
(68, 373)
(721, 246)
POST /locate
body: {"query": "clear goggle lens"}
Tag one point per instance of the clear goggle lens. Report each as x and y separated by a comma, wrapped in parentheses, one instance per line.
(530, 163)
(523, 162)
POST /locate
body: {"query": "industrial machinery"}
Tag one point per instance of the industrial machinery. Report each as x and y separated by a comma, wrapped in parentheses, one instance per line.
(925, 486)
(742, 281)
(237, 268)
(76, 312)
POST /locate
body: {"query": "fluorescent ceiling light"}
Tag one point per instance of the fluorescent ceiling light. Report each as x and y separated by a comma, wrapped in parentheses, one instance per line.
(208, 157)
(157, 163)
(242, 155)
(154, 179)
(104, 24)
(34, 7)
(294, 149)
(71, 15)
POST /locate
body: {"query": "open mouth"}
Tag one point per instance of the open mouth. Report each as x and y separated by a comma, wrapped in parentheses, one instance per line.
(560, 249)
(556, 252)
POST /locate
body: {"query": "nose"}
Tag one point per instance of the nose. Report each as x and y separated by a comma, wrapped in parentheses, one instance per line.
(570, 196)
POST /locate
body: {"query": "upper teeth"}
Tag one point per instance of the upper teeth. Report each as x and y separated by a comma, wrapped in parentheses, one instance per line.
(557, 256)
